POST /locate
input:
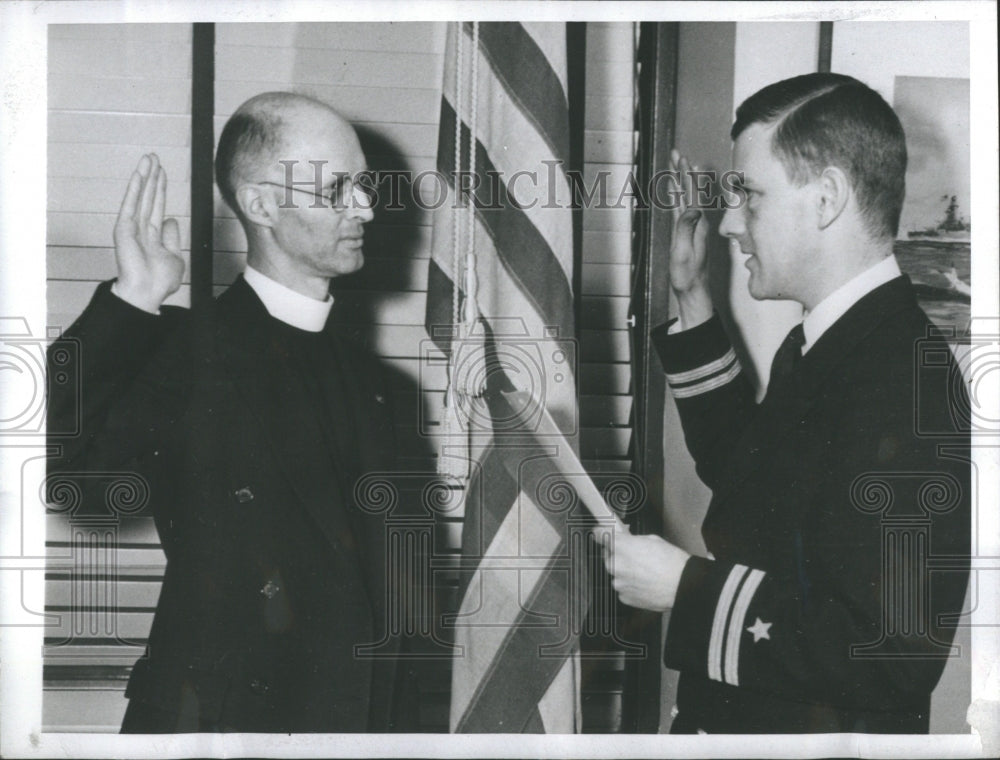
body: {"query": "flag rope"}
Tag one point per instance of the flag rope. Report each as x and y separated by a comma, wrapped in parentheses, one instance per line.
(467, 351)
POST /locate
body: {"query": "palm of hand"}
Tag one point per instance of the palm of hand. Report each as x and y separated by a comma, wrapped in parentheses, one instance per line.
(147, 246)
(688, 251)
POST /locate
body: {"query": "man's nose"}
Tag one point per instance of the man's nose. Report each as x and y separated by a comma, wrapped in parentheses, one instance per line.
(732, 225)
(361, 205)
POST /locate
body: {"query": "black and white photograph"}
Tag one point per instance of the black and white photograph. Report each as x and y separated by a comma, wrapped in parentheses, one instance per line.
(461, 379)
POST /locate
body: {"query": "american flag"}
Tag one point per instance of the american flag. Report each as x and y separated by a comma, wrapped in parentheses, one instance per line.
(521, 593)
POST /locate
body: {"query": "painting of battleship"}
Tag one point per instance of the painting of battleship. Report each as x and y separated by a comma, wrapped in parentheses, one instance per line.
(934, 245)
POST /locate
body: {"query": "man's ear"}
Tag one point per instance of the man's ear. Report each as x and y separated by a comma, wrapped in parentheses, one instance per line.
(834, 190)
(257, 205)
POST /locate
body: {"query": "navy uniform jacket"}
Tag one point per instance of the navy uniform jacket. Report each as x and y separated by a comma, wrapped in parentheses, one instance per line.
(831, 500)
(274, 574)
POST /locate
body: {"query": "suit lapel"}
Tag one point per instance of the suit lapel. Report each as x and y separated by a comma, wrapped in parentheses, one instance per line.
(780, 413)
(360, 448)
(286, 411)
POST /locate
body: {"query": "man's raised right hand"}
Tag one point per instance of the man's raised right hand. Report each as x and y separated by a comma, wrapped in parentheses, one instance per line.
(688, 263)
(147, 246)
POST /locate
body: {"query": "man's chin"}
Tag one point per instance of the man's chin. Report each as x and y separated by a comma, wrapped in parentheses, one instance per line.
(349, 263)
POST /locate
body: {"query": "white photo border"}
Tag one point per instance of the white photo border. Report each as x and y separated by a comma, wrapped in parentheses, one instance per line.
(23, 121)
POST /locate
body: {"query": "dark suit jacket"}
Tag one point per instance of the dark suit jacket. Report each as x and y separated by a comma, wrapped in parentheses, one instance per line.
(827, 499)
(274, 574)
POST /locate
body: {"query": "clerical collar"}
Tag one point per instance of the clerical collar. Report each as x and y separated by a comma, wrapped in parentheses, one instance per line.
(835, 305)
(286, 305)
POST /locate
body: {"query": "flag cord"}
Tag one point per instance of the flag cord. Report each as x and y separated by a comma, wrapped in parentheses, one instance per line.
(472, 372)
(466, 356)
(471, 284)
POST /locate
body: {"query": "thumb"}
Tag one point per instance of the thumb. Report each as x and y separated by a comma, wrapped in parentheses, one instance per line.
(170, 236)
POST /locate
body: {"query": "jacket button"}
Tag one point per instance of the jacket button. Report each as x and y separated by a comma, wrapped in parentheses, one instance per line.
(380, 398)
(270, 589)
(257, 686)
(243, 495)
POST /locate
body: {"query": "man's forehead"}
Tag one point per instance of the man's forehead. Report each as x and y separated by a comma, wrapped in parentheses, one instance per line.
(752, 150)
(331, 146)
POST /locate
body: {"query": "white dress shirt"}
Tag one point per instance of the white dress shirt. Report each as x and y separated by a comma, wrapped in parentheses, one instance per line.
(287, 305)
(835, 305)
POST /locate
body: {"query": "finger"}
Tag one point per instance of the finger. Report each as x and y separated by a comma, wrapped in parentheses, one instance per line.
(689, 219)
(148, 191)
(126, 214)
(159, 199)
(683, 184)
(170, 235)
(683, 168)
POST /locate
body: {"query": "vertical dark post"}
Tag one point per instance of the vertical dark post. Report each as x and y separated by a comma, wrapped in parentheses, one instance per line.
(825, 46)
(202, 150)
(654, 121)
(576, 75)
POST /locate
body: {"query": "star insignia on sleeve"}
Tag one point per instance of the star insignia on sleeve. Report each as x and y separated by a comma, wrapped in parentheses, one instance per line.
(760, 630)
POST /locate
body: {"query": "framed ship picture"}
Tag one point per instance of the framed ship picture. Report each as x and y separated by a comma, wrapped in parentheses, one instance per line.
(933, 244)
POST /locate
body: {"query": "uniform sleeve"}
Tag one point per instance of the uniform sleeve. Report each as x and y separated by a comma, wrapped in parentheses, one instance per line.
(713, 395)
(864, 613)
(810, 639)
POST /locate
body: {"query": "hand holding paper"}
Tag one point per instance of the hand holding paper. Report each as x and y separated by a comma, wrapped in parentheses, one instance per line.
(646, 570)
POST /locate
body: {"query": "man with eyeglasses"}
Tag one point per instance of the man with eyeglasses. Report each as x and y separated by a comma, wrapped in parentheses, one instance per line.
(252, 424)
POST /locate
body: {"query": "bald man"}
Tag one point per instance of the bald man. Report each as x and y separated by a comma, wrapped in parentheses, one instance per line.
(252, 427)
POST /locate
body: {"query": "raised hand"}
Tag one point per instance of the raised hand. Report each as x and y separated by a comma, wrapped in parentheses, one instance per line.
(688, 265)
(147, 246)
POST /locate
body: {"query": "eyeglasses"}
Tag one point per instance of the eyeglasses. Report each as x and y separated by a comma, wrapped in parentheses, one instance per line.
(343, 188)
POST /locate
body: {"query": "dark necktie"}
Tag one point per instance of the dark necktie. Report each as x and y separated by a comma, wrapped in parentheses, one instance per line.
(788, 356)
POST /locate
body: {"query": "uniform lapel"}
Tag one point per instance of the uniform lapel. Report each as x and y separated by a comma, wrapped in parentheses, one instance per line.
(286, 411)
(779, 414)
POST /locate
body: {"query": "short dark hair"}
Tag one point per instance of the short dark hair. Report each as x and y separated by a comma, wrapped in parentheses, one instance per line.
(835, 120)
(249, 137)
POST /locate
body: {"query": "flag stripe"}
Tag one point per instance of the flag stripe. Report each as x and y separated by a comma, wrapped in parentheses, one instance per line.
(491, 609)
(506, 473)
(525, 165)
(518, 587)
(524, 253)
(552, 45)
(490, 494)
(497, 702)
(529, 80)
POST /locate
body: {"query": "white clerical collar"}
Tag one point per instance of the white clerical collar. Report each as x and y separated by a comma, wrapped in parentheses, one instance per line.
(286, 305)
(835, 305)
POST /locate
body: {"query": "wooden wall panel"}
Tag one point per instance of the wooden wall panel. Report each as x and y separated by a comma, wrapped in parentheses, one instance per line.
(116, 91)
(605, 376)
